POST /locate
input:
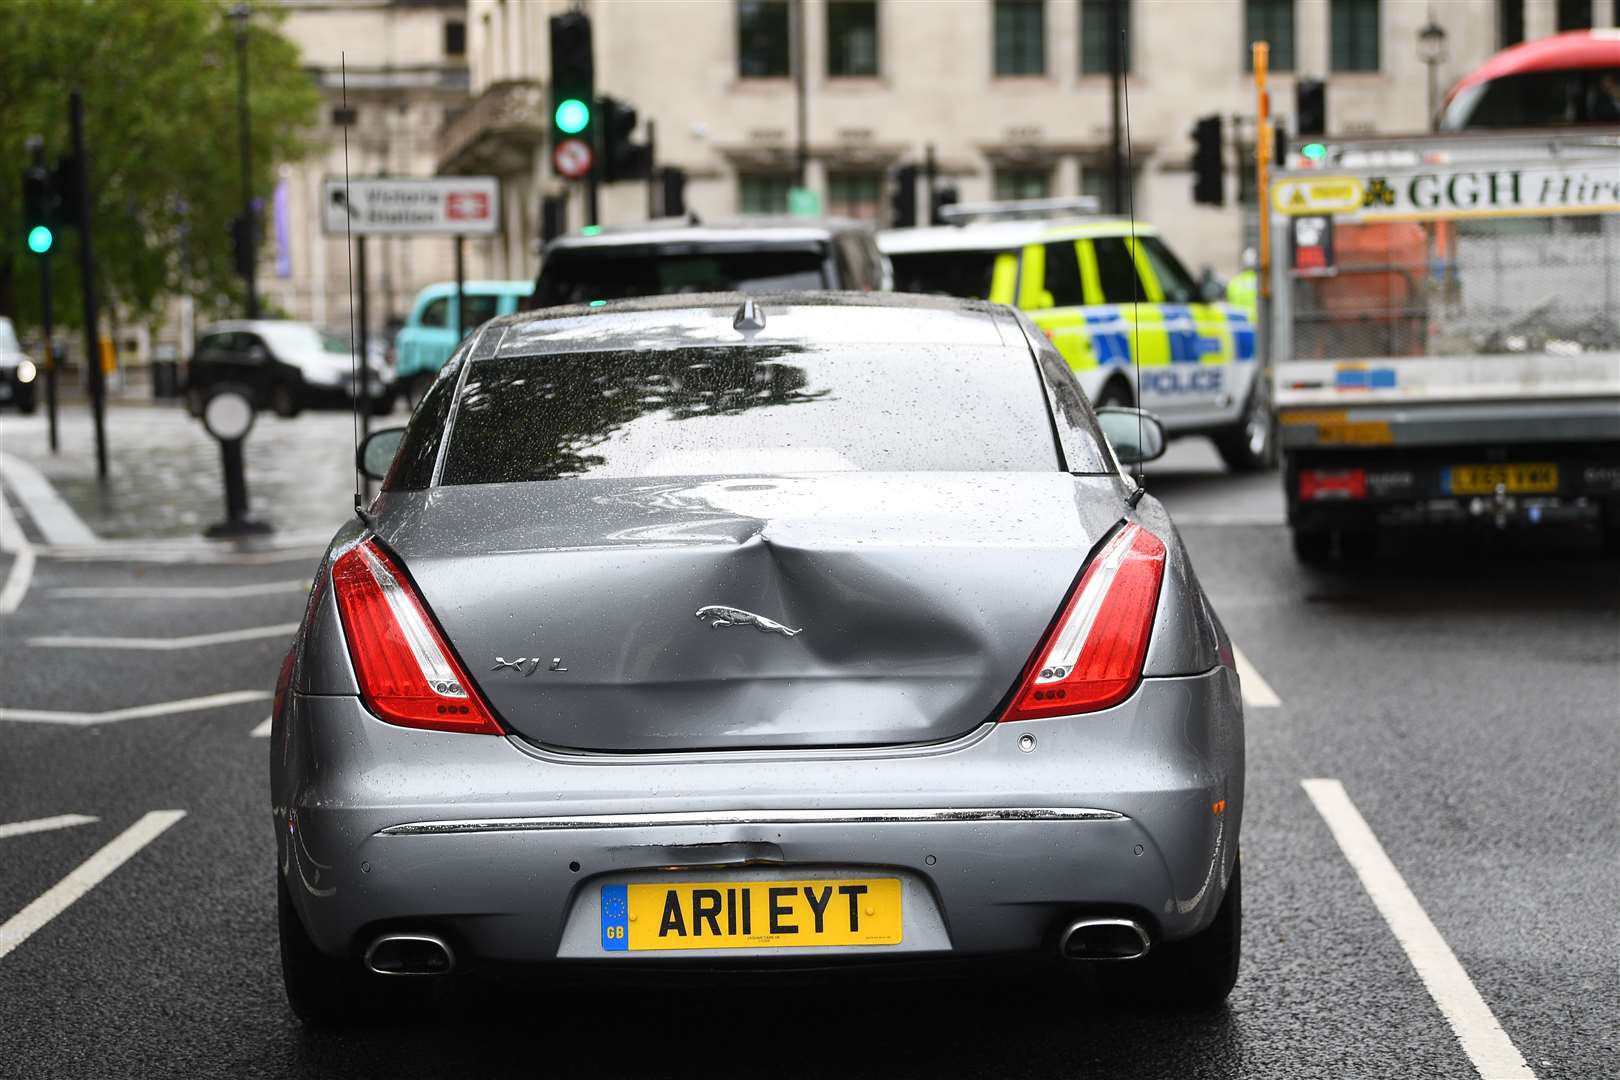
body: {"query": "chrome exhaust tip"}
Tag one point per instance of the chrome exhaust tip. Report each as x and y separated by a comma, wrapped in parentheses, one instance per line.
(1104, 939)
(410, 954)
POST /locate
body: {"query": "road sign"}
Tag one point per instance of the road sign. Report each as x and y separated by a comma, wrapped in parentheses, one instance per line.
(572, 158)
(1317, 194)
(396, 206)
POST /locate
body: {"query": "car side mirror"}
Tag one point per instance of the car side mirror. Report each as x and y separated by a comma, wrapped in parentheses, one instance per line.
(376, 454)
(1136, 435)
(1213, 291)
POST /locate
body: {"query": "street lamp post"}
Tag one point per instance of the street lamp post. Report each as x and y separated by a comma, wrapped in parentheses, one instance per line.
(1432, 51)
(240, 16)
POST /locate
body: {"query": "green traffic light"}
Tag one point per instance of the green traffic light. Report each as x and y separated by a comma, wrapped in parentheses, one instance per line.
(1315, 151)
(572, 116)
(39, 239)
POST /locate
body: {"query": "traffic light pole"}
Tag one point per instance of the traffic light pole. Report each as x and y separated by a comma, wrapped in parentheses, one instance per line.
(87, 284)
(50, 345)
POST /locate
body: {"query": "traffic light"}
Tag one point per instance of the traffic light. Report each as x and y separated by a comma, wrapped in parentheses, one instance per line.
(244, 229)
(1208, 165)
(573, 79)
(553, 217)
(621, 158)
(903, 200)
(1310, 107)
(37, 216)
(40, 202)
(672, 191)
(943, 197)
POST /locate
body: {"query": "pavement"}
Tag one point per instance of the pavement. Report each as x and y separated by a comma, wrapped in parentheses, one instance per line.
(1466, 708)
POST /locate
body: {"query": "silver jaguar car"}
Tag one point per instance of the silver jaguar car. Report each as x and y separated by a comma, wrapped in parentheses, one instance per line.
(730, 634)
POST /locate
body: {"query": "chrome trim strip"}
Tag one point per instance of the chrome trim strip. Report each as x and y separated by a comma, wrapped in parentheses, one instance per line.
(751, 817)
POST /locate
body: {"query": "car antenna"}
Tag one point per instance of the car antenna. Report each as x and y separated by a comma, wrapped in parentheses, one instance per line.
(354, 331)
(1136, 278)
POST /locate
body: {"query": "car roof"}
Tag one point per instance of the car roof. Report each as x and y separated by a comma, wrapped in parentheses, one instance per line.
(792, 318)
(753, 231)
(1002, 235)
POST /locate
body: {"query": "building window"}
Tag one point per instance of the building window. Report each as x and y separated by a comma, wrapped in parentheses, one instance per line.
(1095, 38)
(1509, 22)
(856, 195)
(455, 38)
(1574, 14)
(763, 193)
(762, 39)
(1020, 37)
(1271, 21)
(1355, 35)
(1023, 183)
(852, 38)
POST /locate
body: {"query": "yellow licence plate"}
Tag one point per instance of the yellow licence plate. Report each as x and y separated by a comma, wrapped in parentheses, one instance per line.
(1524, 479)
(751, 914)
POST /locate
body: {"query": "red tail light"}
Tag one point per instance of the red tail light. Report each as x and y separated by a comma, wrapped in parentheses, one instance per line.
(1092, 656)
(407, 674)
(1333, 484)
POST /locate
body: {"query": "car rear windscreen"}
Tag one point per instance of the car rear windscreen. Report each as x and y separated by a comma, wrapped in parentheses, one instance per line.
(741, 410)
(578, 277)
(947, 273)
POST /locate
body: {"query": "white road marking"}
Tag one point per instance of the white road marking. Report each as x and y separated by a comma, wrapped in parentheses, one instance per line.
(1257, 693)
(17, 579)
(262, 731)
(137, 712)
(13, 539)
(84, 877)
(180, 592)
(156, 644)
(186, 554)
(1471, 1020)
(52, 516)
(44, 824)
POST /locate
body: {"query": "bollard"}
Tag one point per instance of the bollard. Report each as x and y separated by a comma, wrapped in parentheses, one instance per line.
(228, 415)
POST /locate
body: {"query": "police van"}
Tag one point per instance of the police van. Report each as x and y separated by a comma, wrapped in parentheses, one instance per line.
(1107, 295)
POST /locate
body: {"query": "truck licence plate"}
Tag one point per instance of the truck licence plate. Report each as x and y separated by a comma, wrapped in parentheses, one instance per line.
(751, 914)
(1538, 478)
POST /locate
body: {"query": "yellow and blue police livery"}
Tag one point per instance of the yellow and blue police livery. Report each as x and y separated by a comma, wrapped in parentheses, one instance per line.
(1123, 311)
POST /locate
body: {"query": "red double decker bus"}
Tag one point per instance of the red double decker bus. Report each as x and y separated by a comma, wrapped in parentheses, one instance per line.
(1559, 81)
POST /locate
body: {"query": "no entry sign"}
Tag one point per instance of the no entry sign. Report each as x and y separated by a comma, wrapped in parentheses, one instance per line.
(440, 206)
(572, 158)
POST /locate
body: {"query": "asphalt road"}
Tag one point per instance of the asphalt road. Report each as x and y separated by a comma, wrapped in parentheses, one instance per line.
(1468, 706)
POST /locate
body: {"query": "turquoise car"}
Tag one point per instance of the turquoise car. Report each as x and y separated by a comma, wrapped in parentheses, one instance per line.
(430, 333)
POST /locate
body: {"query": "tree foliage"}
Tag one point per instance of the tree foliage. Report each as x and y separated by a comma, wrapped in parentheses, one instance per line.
(159, 79)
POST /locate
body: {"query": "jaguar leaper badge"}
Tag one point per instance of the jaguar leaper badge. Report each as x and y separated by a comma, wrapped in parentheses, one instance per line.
(719, 615)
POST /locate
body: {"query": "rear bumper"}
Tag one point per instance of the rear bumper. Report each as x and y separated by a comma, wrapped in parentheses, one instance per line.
(1363, 488)
(503, 848)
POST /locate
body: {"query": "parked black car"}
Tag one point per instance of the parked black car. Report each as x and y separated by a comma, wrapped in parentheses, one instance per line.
(287, 365)
(17, 372)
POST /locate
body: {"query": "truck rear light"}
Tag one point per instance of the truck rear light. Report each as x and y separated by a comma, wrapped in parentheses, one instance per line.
(1332, 484)
(407, 673)
(1091, 658)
